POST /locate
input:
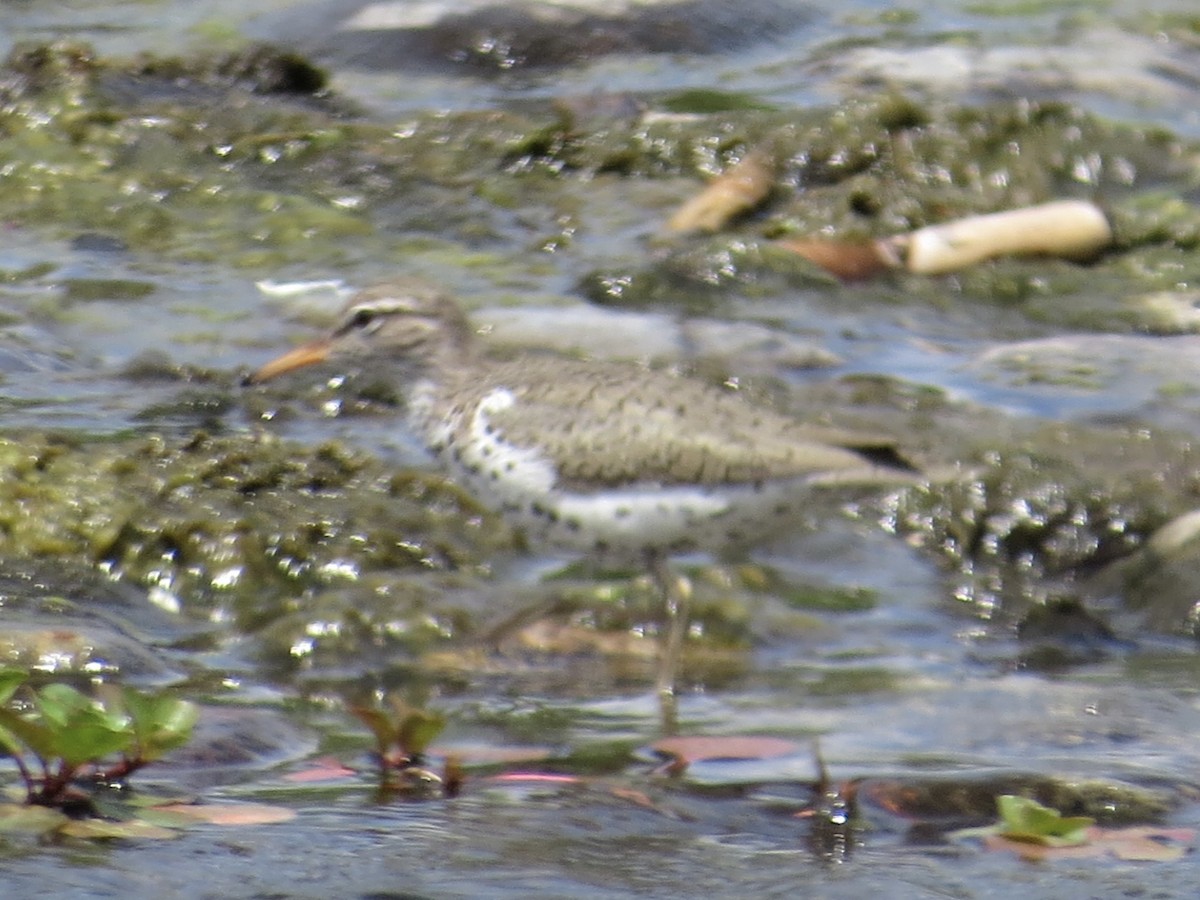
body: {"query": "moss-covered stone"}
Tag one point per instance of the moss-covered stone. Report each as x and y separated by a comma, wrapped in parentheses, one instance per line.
(246, 158)
(243, 524)
(1108, 802)
(1047, 506)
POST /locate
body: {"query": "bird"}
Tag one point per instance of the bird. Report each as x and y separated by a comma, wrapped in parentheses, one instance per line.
(610, 460)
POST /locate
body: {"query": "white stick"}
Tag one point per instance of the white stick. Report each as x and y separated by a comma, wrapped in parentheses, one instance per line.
(1070, 228)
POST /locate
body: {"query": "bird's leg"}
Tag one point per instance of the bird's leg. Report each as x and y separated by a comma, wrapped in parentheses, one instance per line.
(676, 592)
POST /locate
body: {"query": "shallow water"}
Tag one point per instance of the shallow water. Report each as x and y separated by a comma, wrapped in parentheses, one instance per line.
(916, 687)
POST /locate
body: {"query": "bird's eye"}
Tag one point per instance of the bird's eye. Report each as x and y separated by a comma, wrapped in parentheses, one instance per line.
(361, 319)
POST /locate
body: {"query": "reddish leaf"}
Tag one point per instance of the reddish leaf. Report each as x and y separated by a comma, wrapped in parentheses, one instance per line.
(536, 778)
(233, 813)
(1150, 844)
(327, 768)
(1037, 852)
(102, 828)
(1145, 844)
(698, 748)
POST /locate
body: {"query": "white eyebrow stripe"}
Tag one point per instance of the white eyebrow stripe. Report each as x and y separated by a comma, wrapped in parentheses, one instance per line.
(380, 305)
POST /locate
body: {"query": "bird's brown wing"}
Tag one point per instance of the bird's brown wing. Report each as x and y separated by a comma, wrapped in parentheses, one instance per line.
(601, 427)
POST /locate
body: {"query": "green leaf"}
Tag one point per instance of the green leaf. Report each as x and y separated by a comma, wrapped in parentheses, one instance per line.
(89, 737)
(9, 743)
(415, 728)
(380, 725)
(60, 703)
(10, 680)
(18, 817)
(18, 732)
(81, 729)
(101, 828)
(160, 722)
(1023, 819)
(405, 727)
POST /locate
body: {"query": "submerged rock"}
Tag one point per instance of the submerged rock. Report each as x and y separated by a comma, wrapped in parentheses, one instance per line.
(484, 36)
(1049, 508)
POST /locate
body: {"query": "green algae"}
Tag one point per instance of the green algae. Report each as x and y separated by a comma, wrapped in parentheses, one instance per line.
(852, 682)
(843, 599)
(1046, 508)
(1109, 802)
(239, 523)
(88, 145)
(1026, 8)
(248, 159)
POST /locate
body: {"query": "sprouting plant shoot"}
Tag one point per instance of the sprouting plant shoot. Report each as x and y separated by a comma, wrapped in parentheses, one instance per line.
(62, 739)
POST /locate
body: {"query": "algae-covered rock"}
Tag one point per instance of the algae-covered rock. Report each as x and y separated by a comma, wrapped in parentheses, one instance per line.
(1049, 506)
(247, 158)
(197, 158)
(1109, 802)
(497, 38)
(233, 524)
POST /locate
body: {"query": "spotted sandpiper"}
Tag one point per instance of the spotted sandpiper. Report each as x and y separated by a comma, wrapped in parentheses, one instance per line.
(612, 460)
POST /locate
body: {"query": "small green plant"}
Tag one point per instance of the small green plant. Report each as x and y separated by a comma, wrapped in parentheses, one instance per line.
(403, 733)
(63, 740)
(1023, 819)
(1036, 833)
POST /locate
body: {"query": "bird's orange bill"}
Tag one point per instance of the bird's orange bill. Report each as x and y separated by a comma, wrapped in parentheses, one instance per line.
(306, 355)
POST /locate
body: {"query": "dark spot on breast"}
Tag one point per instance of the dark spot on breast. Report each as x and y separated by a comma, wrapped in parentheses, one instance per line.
(758, 486)
(573, 524)
(601, 546)
(485, 451)
(782, 509)
(623, 512)
(509, 466)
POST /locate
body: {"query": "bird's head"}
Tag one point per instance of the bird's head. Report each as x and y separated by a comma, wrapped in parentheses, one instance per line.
(407, 321)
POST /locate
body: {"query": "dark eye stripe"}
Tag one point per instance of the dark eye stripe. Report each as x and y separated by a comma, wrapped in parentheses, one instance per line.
(370, 314)
(359, 318)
